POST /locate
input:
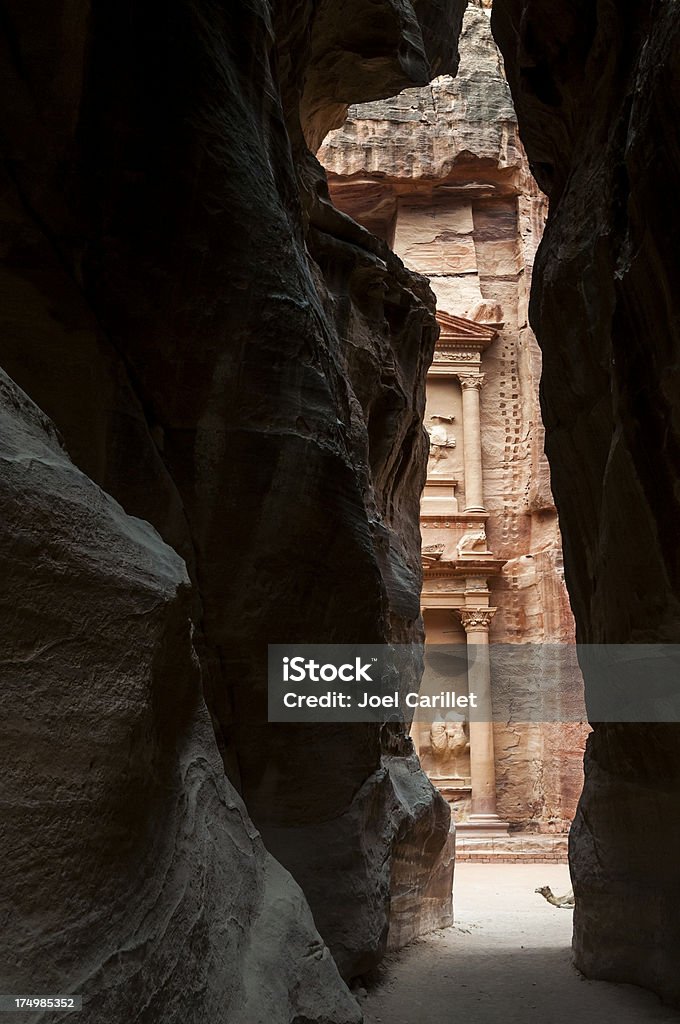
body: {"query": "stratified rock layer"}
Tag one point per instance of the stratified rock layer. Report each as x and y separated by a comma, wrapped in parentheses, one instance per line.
(597, 89)
(241, 366)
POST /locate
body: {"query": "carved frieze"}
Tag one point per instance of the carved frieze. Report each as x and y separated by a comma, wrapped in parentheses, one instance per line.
(447, 355)
(443, 586)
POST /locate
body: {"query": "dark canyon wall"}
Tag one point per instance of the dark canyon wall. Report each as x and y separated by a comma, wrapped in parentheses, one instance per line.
(597, 91)
(236, 375)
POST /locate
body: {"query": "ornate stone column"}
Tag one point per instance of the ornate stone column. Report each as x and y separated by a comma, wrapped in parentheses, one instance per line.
(471, 384)
(483, 815)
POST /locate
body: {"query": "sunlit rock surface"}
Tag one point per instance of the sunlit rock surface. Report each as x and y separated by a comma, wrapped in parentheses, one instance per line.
(441, 173)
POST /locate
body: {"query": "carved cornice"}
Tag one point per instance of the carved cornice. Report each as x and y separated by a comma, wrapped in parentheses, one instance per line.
(458, 331)
(476, 618)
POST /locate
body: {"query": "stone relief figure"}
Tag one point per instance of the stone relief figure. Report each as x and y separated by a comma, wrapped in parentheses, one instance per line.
(448, 740)
(439, 441)
(439, 437)
(474, 540)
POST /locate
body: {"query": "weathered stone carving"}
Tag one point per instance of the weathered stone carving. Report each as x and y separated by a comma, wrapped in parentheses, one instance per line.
(439, 437)
(473, 381)
(454, 355)
(448, 740)
(474, 540)
(476, 618)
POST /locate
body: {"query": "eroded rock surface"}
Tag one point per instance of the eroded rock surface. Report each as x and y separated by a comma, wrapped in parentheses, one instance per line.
(125, 848)
(241, 366)
(597, 89)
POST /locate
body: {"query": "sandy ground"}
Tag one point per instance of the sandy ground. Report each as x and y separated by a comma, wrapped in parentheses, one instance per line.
(507, 960)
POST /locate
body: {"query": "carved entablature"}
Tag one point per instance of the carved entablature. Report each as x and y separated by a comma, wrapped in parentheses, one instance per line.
(461, 522)
(438, 524)
(458, 332)
(460, 345)
(443, 586)
(477, 584)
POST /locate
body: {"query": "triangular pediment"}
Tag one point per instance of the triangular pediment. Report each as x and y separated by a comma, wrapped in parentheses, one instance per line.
(457, 330)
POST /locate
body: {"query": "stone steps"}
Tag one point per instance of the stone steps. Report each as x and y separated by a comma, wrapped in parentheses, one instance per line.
(522, 848)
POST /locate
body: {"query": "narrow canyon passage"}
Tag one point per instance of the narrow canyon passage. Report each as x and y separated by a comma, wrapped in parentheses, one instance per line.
(338, 324)
(506, 960)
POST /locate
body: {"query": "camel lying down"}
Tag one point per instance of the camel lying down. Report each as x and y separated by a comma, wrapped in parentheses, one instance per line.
(566, 901)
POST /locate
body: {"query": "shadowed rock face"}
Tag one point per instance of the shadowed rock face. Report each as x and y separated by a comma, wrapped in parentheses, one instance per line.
(242, 367)
(124, 846)
(597, 90)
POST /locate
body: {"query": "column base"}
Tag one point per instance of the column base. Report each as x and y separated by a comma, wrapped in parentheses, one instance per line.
(483, 825)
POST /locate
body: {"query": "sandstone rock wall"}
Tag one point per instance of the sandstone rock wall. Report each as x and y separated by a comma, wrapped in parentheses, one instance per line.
(124, 846)
(441, 173)
(597, 90)
(243, 368)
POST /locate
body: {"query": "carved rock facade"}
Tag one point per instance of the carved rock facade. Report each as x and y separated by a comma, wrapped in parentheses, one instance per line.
(441, 174)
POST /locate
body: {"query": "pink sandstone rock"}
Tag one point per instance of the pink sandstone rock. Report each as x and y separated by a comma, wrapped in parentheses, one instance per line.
(440, 173)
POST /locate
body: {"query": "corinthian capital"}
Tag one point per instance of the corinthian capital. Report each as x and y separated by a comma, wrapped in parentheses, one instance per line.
(476, 618)
(471, 380)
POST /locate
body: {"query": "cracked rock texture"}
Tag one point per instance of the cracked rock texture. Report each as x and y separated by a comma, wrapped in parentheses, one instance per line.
(597, 89)
(242, 367)
(440, 172)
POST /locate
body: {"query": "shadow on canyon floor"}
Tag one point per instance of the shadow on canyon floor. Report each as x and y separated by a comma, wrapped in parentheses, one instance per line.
(507, 960)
